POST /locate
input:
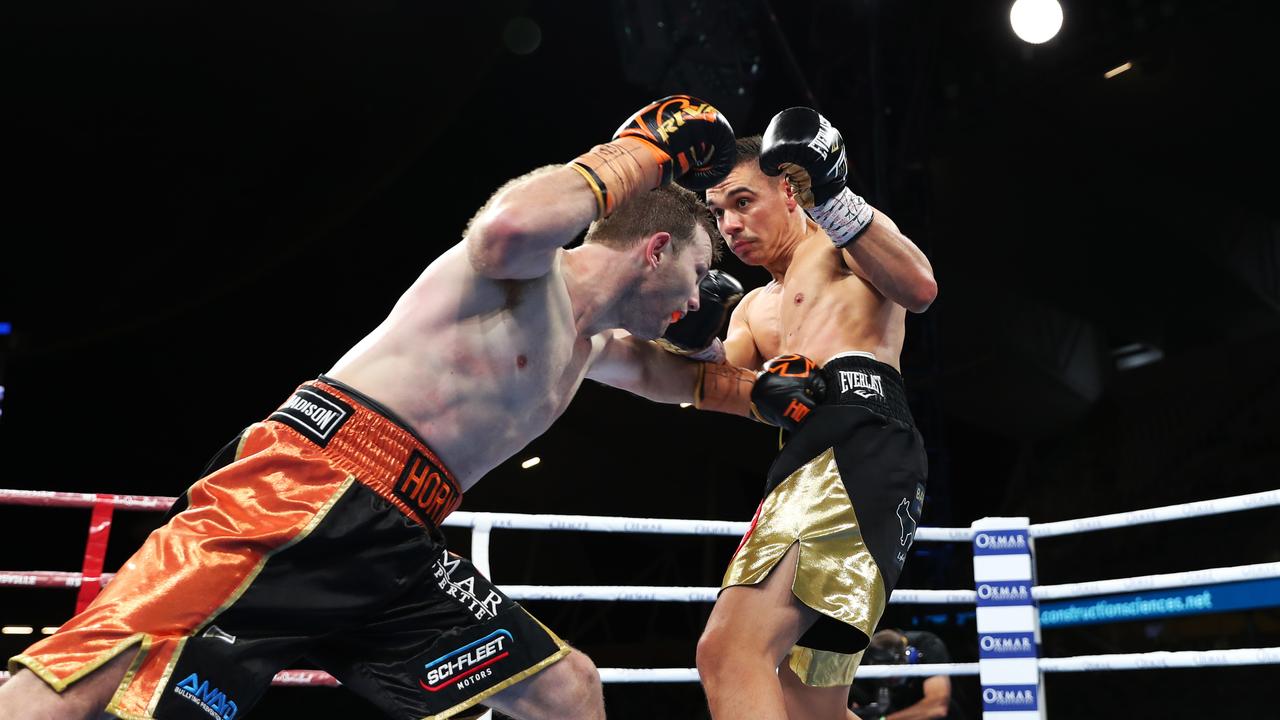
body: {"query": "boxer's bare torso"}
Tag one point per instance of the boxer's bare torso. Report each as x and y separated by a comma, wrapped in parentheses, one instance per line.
(478, 367)
(819, 309)
(486, 349)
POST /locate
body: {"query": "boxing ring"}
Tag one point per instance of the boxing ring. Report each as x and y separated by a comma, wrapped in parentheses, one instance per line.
(1010, 670)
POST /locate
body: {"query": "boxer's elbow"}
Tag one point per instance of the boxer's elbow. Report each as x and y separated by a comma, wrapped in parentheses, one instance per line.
(501, 247)
(922, 293)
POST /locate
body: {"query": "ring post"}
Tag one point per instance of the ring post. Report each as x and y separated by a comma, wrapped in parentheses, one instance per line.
(1008, 623)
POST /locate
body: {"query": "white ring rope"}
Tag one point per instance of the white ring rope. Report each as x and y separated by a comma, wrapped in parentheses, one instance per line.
(662, 593)
(664, 526)
(1212, 576)
(865, 672)
(1160, 514)
(483, 522)
(67, 499)
(591, 523)
(1086, 663)
(1164, 659)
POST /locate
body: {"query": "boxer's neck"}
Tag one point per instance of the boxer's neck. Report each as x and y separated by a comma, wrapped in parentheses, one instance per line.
(793, 233)
(595, 276)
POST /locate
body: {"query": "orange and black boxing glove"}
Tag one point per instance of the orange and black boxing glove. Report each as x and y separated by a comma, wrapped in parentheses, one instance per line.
(678, 138)
(786, 390)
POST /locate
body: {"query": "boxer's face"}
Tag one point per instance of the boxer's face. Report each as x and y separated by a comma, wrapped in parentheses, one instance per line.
(752, 211)
(672, 288)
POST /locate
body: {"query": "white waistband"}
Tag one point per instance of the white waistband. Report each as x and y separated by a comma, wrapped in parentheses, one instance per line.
(851, 353)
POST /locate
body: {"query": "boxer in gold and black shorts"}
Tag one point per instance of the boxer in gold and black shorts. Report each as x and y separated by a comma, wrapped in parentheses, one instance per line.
(315, 534)
(848, 489)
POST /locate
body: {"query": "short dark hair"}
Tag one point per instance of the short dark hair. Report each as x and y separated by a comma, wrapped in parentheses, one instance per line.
(749, 149)
(670, 208)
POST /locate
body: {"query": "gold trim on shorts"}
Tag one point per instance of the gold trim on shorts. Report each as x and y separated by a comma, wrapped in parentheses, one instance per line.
(835, 572)
(823, 668)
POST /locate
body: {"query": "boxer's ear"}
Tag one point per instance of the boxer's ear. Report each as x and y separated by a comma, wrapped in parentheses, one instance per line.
(655, 246)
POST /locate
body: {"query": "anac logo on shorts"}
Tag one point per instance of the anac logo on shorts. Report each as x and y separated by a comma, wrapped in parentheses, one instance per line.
(469, 663)
(317, 415)
(210, 699)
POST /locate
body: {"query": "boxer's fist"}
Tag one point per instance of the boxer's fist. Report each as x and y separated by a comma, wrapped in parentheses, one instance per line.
(802, 144)
(786, 390)
(695, 141)
(697, 332)
(805, 146)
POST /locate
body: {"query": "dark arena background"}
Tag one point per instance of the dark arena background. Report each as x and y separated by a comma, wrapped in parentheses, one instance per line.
(210, 202)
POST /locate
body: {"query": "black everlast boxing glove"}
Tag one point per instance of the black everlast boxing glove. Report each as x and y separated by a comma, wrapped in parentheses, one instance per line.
(696, 334)
(805, 146)
(696, 139)
(786, 390)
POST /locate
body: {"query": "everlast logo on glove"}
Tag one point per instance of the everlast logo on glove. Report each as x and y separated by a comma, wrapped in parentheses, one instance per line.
(315, 414)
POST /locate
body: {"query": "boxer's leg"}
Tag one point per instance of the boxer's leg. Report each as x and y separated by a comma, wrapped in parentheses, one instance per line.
(568, 689)
(749, 633)
(27, 697)
(805, 702)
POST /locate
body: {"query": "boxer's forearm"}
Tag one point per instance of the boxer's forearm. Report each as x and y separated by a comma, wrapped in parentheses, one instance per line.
(643, 368)
(647, 370)
(893, 264)
(725, 388)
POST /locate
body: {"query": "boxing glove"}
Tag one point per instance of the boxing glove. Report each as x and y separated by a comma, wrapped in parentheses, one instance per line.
(696, 334)
(695, 143)
(786, 390)
(809, 150)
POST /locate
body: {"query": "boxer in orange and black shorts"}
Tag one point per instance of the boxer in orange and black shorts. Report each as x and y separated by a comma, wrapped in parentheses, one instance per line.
(314, 534)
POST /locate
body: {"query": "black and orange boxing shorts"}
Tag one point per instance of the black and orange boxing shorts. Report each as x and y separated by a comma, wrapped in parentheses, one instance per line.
(311, 537)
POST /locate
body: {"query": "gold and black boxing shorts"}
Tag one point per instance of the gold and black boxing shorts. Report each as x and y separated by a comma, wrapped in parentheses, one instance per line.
(848, 489)
(313, 535)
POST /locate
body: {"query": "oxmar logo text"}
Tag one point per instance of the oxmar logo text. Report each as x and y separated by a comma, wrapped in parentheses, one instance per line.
(1022, 698)
(1011, 593)
(1007, 644)
(213, 701)
(990, 541)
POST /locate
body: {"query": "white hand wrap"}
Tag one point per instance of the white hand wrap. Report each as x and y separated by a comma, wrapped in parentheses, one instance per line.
(844, 217)
(713, 353)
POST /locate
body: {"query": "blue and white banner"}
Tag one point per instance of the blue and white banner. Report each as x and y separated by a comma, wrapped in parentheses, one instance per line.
(1008, 626)
(1245, 595)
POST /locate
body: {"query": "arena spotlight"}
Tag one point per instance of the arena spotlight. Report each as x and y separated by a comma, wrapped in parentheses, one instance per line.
(1117, 70)
(1036, 21)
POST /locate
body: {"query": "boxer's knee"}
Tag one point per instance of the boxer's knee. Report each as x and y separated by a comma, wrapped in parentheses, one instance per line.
(584, 694)
(570, 688)
(714, 656)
